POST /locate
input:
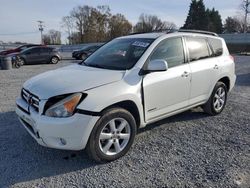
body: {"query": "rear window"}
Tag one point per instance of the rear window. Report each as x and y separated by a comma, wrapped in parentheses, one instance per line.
(216, 45)
(198, 48)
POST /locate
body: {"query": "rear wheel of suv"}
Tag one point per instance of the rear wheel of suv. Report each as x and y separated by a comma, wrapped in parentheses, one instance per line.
(54, 60)
(112, 136)
(217, 100)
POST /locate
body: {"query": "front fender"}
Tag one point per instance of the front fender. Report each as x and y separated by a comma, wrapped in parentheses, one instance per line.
(102, 97)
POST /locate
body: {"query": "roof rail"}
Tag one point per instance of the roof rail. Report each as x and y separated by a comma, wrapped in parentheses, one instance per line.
(156, 31)
(198, 31)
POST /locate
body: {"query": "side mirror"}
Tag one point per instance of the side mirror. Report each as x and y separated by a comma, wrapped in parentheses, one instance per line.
(156, 65)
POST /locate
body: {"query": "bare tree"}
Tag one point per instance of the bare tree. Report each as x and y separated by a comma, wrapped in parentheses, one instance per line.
(52, 37)
(148, 23)
(81, 15)
(68, 24)
(245, 6)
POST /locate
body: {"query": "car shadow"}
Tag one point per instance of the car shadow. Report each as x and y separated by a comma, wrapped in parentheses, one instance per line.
(22, 159)
(190, 115)
(243, 79)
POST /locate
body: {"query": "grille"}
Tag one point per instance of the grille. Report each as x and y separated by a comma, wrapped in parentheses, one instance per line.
(31, 99)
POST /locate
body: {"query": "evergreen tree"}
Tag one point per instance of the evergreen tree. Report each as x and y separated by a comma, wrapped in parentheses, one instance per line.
(214, 21)
(197, 17)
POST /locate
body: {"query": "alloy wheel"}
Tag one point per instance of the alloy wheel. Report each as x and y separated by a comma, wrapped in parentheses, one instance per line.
(114, 136)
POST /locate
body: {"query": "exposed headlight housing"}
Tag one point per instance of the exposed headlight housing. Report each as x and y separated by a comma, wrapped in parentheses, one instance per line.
(63, 106)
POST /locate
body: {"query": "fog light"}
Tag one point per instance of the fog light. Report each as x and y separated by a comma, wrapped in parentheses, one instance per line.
(63, 142)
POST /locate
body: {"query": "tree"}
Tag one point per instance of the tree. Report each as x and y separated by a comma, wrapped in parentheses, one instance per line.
(81, 16)
(214, 21)
(52, 37)
(197, 16)
(245, 6)
(232, 25)
(148, 23)
(68, 24)
(119, 26)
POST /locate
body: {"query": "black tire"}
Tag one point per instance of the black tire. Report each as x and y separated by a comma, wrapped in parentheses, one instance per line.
(21, 62)
(83, 56)
(54, 60)
(94, 149)
(209, 107)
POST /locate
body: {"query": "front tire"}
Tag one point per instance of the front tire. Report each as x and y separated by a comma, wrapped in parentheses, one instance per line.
(112, 136)
(217, 100)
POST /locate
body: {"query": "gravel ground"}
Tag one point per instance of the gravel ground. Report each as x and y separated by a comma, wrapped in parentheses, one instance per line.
(188, 150)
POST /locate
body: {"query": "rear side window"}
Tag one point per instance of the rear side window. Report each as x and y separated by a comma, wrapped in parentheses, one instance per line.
(170, 50)
(198, 48)
(216, 45)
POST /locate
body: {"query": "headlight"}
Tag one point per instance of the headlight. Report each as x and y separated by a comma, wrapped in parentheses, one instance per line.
(65, 107)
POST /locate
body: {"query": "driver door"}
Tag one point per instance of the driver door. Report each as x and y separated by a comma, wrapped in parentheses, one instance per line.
(168, 91)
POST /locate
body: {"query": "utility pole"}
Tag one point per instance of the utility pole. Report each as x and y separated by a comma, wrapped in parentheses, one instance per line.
(247, 11)
(41, 28)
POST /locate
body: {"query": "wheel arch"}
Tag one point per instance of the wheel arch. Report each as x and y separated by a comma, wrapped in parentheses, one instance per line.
(226, 81)
(130, 106)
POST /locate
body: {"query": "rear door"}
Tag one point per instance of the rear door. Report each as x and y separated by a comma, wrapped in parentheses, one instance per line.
(204, 69)
(45, 54)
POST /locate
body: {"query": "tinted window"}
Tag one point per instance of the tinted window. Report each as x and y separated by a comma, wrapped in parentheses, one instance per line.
(216, 45)
(197, 48)
(34, 50)
(170, 50)
(46, 50)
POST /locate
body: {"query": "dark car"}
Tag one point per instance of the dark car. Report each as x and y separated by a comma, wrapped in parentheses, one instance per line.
(18, 49)
(37, 55)
(85, 51)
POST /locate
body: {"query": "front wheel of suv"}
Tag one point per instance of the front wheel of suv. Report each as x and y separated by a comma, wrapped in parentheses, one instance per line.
(217, 100)
(112, 136)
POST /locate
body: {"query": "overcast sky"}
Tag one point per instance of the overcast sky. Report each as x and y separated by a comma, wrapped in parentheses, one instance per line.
(18, 17)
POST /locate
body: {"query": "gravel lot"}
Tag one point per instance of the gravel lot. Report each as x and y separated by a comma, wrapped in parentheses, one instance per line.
(188, 150)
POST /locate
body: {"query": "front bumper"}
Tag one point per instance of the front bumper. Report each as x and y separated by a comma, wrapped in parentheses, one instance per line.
(70, 133)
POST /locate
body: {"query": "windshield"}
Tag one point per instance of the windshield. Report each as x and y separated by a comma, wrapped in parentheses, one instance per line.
(119, 54)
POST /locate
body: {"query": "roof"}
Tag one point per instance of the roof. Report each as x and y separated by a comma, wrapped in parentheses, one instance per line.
(156, 34)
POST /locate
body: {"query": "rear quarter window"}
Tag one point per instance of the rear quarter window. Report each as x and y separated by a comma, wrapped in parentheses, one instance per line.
(216, 45)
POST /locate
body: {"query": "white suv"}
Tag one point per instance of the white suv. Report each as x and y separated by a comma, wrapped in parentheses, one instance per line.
(126, 84)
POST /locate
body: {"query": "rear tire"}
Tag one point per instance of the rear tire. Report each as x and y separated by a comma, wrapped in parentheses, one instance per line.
(112, 136)
(217, 100)
(54, 60)
(83, 56)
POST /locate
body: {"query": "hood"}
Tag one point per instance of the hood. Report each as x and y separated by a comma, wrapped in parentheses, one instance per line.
(6, 52)
(70, 79)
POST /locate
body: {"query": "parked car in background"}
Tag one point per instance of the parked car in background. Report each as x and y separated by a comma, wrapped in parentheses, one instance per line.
(39, 54)
(85, 51)
(18, 49)
(131, 82)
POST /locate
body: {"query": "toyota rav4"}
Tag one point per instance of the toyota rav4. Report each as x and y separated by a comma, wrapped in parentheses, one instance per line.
(131, 81)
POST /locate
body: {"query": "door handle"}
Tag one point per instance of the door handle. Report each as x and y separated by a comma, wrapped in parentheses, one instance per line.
(185, 74)
(216, 67)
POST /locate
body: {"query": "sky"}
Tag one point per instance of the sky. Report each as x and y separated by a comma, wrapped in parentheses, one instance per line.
(18, 18)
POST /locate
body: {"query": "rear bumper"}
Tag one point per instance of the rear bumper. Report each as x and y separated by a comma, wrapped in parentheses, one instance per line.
(232, 82)
(70, 133)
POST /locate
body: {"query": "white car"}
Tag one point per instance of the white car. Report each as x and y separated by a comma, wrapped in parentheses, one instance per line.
(132, 81)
